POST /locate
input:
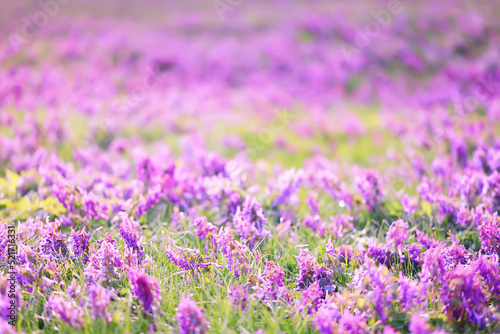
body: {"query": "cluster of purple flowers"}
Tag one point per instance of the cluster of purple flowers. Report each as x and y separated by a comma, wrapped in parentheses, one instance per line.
(190, 317)
(145, 289)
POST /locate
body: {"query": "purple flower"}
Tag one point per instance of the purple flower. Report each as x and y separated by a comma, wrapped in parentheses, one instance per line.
(351, 323)
(428, 190)
(414, 251)
(190, 317)
(288, 184)
(488, 269)
(341, 225)
(462, 294)
(409, 293)
(310, 299)
(94, 207)
(79, 244)
(4, 244)
(398, 233)
(66, 310)
(471, 187)
(186, 258)
(418, 325)
(493, 189)
(489, 234)
(145, 289)
(456, 254)
(130, 234)
(145, 169)
(145, 203)
(377, 252)
(65, 197)
(310, 271)
(238, 296)
(336, 189)
(205, 228)
(433, 265)
(345, 253)
(105, 262)
(53, 243)
(99, 298)
(234, 252)
(271, 284)
(74, 289)
(410, 204)
(249, 221)
(458, 148)
(312, 201)
(326, 319)
(368, 184)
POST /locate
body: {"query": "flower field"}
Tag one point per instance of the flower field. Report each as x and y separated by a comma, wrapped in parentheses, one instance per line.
(250, 167)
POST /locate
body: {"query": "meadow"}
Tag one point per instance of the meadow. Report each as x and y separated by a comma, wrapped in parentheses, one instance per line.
(250, 167)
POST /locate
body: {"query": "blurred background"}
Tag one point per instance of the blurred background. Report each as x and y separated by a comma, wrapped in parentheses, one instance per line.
(223, 69)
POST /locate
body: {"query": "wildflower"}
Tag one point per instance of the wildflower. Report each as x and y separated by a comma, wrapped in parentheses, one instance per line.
(105, 262)
(238, 295)
(336, 189)
(458, 148)
(130, 234)
(418, 325)
(471, 187)
(455, 254)
(462, 294)
(326, 319)
(351, 323)
(428, 190)
(99, 298)
(410, 204)
(145, 169)
(398, 233)
(433, 265)
(53, 243)
(4, 241)
(66, 310)
(345, 254)
(145, 203)
(271, 285)
(310, 271)
(190, 317)
(409, 292)
(79, 244)
(74, 289)
(288, 184)
(65, 196)
(489, 234)
(314, 223)
(377, 252)
(312, 201)
(368, 184)
(310, 299)
(185, 258)
(249, 221)
(340, 225)
(205, 228)
(234, 252)
(145, 289)
(488, 269)
(94, 207)
(376, 281)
